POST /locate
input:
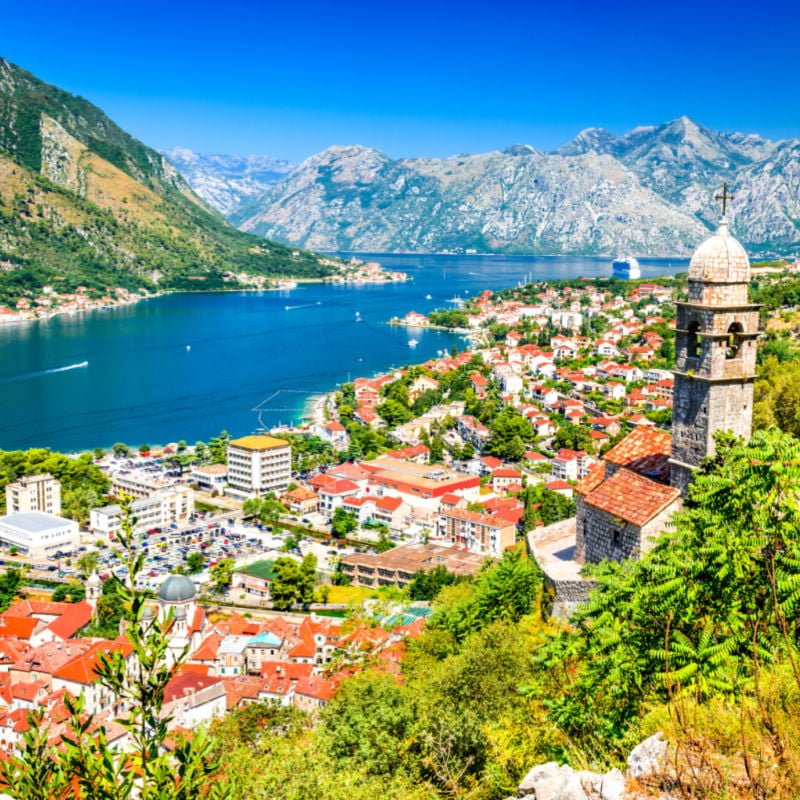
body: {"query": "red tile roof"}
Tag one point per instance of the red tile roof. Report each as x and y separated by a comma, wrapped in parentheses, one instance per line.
(83, 668)
(186, 683)
(593, 478)
(389, 503)
(72, 620)
(644, 450)
(20, 627)
(632, 497)
(506, 472)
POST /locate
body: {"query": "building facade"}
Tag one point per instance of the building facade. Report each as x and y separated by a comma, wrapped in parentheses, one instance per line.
(172, 506)
(258, 465)
(39, 535)
(34, 493)
(715, 354)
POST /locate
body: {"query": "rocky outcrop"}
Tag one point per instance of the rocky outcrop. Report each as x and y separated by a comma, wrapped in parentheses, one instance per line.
(227, 182)
(649, 192)
(552, 781)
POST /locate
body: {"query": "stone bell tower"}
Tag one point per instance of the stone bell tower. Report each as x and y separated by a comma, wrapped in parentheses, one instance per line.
(715, 353)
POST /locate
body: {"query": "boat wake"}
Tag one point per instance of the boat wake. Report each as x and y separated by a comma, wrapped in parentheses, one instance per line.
(305, 305)
(40, 373)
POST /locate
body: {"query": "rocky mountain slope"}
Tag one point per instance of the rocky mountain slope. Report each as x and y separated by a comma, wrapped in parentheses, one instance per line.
(83, 202)
(227, 182)
(649, 192)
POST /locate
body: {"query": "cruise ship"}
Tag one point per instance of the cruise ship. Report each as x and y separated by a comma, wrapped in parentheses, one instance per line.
(626, 268)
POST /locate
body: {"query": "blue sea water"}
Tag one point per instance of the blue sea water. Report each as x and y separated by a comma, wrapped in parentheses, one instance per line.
(185, 366)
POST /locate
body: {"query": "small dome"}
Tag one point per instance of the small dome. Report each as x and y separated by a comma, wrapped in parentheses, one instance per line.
(720, 259)
(148, 613)
(177, 589)
(93, 580)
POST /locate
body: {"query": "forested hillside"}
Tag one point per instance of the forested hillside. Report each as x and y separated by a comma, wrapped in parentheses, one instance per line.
(83, 202)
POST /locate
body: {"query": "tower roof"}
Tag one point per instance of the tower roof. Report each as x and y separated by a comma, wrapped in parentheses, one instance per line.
(720, 259)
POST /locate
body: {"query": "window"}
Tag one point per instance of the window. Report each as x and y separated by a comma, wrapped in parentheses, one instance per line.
(693, 341)
(734, 340)
(616, 537)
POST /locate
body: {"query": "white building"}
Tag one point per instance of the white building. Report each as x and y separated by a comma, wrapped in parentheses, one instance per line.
(172, 506)
(210, 478)
(137, 483)
(38, 534)
(258, 465)
(34, 493)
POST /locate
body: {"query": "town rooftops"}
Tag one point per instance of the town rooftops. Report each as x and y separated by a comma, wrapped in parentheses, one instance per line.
(644, 450)
(632, 497)
(258, 442)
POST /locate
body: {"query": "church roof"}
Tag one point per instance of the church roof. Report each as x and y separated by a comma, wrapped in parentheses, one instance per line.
(720, 259)
(644, 450)
(632, 497)
(177, 589)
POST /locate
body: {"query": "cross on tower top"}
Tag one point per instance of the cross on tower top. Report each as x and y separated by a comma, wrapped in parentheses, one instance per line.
(725, 196)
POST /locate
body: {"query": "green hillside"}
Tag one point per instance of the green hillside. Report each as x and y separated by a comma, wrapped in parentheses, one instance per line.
(83, 202)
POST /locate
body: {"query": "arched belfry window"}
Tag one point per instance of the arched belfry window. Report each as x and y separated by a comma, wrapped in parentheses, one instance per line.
(734, 340)
(693, 341)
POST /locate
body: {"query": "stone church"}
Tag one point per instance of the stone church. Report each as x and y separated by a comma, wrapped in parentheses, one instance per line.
(625, 501)
(625, 504)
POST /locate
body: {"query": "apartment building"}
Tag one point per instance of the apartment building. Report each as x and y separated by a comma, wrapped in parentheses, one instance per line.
(160, 510)
(34, 493)
(258, 465)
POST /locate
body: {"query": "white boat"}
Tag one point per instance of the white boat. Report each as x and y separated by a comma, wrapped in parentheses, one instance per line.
(428, 297)
(412, 342)
(626, 268)
(358, 317)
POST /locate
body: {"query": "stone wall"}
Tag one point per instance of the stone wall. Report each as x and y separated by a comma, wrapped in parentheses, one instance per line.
(606, 537)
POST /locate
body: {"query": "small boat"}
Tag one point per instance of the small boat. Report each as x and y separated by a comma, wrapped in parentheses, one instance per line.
(358, 317)
(428, 297)
(412, 342)
(188, 347)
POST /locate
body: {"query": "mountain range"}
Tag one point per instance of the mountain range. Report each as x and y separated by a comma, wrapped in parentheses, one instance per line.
(648, 192)
(82, 202)
(227, 182)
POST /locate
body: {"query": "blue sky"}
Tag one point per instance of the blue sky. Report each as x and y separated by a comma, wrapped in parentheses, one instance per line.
(412, 78)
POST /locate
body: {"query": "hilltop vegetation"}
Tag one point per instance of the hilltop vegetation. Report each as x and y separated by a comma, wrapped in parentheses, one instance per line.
(699, 639)
(84, 203)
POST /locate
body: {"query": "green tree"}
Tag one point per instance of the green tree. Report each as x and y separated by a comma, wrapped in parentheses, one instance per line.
(293, 582)
(87, 562)
(368, 723)
(221, 574)
(573, 437)
(343, 522)
(394, 413)
(121, 450)
(426, 584)
(195, 562)
(11, 581)
(72, 592)
(384, 542)
(510, 433)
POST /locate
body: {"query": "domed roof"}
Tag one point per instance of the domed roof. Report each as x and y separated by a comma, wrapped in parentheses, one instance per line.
(720, 259)
(177, 589)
